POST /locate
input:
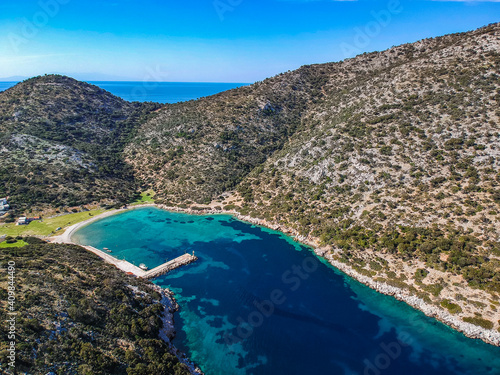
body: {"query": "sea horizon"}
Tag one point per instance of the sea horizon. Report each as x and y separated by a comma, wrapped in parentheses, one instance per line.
(159, 92)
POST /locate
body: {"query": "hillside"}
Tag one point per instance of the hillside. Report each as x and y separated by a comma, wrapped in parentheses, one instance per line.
(390, 160)
(61, 142)
(80, 315)
(198, 149)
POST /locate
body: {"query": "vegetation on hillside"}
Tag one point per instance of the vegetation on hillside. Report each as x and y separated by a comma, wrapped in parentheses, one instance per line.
(199, 149)
(391, 159)
(390, 155)
(62, 142)
(79, 315)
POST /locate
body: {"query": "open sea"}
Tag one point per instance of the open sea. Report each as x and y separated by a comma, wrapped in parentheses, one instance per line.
(256, 302)
(159, 92)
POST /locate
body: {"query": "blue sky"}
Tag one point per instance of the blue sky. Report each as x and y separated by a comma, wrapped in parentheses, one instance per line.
(213, 40)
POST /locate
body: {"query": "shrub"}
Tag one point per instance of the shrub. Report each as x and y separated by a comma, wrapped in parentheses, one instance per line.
(479, 322)
(434, 289)
(420, 274)
(386, 150)
(451, 307)
(376, 266)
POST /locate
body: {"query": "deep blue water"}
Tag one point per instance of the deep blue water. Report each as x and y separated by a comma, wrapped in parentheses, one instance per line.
(160, 92)
(258, 303)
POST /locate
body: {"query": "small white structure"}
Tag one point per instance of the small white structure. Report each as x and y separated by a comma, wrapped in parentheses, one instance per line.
(4, 205)
(23, 220)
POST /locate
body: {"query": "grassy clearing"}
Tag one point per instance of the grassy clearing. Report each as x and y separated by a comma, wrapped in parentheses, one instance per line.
(146, 197)
(20, 243)
(47, 226)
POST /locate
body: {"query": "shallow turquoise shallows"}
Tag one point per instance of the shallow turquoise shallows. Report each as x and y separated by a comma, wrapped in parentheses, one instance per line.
(258, 303)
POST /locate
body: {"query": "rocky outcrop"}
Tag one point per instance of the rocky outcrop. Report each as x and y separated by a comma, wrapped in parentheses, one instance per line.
(167, 333)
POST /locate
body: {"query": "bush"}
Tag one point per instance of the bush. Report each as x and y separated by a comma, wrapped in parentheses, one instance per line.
(386, 150)
(451, 307)
(33, 240)
(434, 289)
(479, 322)
(420, 274)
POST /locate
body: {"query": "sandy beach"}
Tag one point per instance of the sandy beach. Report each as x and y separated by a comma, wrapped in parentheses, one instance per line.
(66, 236)
(119, 263)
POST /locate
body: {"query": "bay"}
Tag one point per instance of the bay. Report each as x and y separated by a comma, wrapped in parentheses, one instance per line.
(256, 302)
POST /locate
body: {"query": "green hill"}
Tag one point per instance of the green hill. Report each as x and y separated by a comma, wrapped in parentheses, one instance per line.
(79, 315)
(61, 143)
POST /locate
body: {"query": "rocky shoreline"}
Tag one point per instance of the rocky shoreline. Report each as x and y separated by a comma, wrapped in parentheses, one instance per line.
(167, 333)
(470, 330)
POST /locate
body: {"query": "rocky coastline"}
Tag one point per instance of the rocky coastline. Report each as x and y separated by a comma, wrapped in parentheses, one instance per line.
(470, 330)
(167, 333)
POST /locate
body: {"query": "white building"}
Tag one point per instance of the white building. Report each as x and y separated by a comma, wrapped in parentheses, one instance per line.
(4, 205)
(22, 220)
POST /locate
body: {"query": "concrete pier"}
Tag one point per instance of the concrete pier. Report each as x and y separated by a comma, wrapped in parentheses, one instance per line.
(155, 272)
(169, 266)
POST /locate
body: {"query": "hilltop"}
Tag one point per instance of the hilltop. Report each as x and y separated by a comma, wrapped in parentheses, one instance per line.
(61, 142)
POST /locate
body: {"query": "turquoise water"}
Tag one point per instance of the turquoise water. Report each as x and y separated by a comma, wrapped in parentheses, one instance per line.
(258, 303)
(164, 92)
(159, 92)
